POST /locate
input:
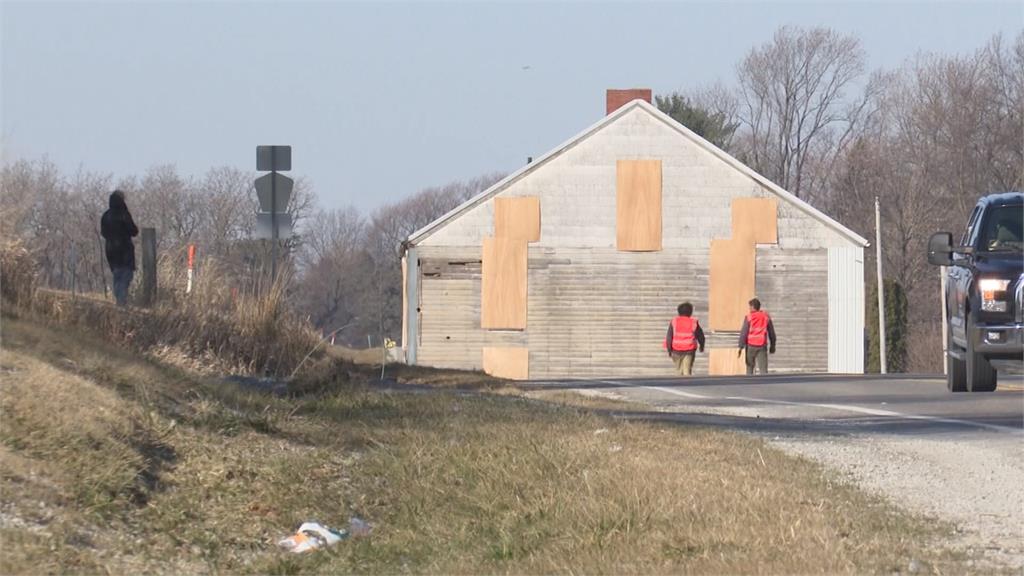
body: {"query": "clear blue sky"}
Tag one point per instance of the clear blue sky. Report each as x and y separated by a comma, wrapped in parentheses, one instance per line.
(381, 100)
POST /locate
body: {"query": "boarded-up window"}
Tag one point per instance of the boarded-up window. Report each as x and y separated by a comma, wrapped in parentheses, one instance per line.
(503, 294)
(517, 218)
(755, 219)
(726, 362)
(731, 282)
(507, 362)
(638, 205)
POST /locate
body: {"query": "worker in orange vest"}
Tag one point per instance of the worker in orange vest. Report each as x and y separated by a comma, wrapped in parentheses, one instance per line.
(684, 338)
(758, 337)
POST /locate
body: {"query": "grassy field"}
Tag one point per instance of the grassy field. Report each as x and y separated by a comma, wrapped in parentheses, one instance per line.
(112, 463)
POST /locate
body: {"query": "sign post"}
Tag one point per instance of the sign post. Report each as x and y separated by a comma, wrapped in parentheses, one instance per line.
(273, 191)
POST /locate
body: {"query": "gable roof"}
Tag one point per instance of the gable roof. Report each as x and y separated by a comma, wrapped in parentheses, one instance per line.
(421, 234)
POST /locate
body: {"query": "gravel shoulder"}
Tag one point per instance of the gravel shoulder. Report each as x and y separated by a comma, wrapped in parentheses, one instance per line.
(974, 481)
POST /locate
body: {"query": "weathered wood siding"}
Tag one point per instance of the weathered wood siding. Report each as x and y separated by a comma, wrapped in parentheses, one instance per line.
(592, 314)
(595, 311)
(793, 285)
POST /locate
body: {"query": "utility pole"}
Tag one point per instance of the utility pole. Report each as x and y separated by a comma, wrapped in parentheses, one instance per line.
(881, 291)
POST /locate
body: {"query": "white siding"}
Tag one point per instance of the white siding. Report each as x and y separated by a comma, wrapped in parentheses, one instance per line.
(846, 310)
(577, 191)
(595, 311)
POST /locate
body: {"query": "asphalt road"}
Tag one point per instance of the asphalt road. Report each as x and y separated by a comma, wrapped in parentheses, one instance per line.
(892, 404)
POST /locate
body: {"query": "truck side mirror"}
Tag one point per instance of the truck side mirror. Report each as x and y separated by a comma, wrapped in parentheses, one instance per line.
(940, 249)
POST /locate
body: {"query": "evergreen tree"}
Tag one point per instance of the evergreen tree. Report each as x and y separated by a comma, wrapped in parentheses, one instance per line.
(895, 328)
(709, 125)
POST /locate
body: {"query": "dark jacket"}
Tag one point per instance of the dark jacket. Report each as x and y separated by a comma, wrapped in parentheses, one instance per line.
(118, 228)
(746, 330)
(698, 335)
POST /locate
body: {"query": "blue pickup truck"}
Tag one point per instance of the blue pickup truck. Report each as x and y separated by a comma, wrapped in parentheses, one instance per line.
(984, 293)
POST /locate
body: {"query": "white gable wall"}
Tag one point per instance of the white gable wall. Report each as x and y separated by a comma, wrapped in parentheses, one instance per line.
(577, 190)
(595, 311)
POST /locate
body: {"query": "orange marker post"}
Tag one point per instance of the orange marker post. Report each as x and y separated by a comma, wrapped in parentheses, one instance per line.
(191, 263)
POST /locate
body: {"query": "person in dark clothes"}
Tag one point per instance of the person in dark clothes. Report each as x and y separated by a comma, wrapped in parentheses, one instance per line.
(758, 337)
(118, 229)
(684, 338)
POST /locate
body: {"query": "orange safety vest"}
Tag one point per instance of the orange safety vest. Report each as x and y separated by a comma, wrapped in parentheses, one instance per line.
(683, 328)
(757, 333)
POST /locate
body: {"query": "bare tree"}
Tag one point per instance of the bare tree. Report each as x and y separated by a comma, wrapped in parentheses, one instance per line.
(226, 199)
(1005, 66)
(334, 284)
(794, 105)
(168, 202)
(330, 231)
(17, 187)
(88, 195)
(948, 130)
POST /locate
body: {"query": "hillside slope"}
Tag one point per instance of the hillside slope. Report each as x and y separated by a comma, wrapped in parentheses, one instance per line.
(112, 463)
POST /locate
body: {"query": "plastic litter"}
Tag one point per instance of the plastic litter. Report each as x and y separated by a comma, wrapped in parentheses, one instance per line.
(311, 536)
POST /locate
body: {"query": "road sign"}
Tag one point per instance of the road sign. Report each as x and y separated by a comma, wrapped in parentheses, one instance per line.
(274, 158)
(273, 192)
(264, 227)
(283, 191)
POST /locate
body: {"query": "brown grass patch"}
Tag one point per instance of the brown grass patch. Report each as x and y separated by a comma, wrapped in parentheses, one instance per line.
(214, 327)
(454, 482)
(19, 274)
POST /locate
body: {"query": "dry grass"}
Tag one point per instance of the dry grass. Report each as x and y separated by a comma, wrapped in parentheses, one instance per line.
(213, 327)
(19, 274)
(454, 482)
(368, 361)
(367, 356)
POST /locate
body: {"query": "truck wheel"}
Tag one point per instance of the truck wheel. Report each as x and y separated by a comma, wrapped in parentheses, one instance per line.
(981, 377)
(956, 374)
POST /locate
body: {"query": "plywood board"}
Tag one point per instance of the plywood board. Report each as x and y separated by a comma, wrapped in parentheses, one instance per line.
(503, 285)
(731, 283)
(725, 362)
(756, 220)
(638, 205)
(517, 218)
(505, 362)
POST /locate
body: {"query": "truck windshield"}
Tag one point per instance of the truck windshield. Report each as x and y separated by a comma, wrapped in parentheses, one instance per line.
(1004, 230)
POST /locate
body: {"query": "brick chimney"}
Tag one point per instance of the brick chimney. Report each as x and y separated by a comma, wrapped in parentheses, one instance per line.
(616, 99)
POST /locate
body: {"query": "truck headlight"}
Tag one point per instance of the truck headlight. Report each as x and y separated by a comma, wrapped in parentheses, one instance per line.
(993, 294)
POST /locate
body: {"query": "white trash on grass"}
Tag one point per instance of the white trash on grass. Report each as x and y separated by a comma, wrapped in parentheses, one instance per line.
(313, 535)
